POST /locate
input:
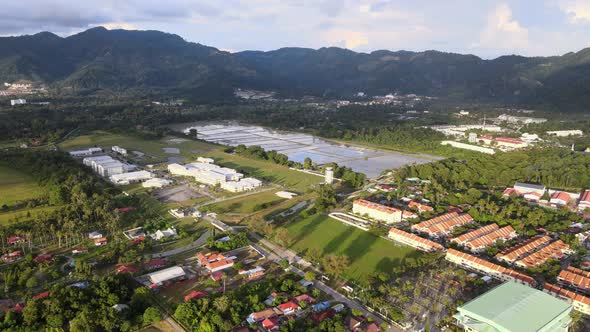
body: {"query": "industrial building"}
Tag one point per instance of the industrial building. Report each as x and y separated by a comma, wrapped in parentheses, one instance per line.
(512, 307)
(211, 174)
(84, 153)
(376, 211)
(413, 240)
(156, 183)
(131, 177)
(503, 142)
(471, 147)
(14, 102)
(564, 133)
(119, 150)
(104, 165)
(169, 274)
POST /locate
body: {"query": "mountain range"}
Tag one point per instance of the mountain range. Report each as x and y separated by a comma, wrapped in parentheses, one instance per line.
(151, 61)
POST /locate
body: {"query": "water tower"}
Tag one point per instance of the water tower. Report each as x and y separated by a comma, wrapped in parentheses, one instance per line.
(329, 175)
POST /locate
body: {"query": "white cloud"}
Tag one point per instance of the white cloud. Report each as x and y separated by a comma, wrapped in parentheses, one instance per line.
(503, 32)
(577, 10)
(347, 38)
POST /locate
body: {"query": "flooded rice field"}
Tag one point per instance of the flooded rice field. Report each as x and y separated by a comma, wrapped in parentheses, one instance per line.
(298, 146)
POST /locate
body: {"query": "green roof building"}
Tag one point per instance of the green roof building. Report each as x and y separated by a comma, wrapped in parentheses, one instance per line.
(513, 307)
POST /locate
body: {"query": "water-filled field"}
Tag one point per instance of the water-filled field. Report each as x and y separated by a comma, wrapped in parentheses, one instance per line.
(298, 146)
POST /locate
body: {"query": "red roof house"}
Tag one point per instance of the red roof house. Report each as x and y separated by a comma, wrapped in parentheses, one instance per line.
(15, 240)
(289, 307)
(195, 295)
(43, 258)
(126, 269)
(41, 295)
(270, 324)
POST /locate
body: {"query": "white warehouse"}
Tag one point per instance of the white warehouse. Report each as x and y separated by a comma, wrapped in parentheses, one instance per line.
(104, 165)
(211, 174)
(131, 177)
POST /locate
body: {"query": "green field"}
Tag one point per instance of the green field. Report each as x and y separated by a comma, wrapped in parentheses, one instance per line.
(245, 205)
(16, 186)
(190, 150)
(367, 252)
(21, 215)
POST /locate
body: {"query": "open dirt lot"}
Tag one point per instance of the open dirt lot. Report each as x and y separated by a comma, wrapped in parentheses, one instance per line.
(177, 194)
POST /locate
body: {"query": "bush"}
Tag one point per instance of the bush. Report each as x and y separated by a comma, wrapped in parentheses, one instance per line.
(152, 315)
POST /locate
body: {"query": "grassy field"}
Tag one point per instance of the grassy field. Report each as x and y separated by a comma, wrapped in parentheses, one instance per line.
(190, 150)
(15, 186)
(367, 253)
(245, 205)
(7, 218)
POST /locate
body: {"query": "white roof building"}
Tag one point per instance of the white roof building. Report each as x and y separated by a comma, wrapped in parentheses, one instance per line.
(127, 178)
(119, 150)
(86, 152)
(563, 133)
(162, 234)
(211, 174)
(170, 273)
(94, 235)
(285, 194)
(156, 183)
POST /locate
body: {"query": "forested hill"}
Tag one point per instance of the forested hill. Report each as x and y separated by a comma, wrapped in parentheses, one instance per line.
(100, 59)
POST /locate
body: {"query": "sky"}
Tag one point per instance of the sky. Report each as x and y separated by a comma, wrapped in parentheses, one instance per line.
(482, 27)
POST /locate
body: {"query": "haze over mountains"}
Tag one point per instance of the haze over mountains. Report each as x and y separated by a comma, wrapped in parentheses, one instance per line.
(153, 61)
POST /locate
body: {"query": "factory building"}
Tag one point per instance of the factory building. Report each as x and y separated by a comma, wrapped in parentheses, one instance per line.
(211, 174)
(512, 307)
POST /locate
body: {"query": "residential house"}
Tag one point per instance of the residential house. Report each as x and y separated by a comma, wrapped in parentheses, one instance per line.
(195, 295)
(584, 202)
(377, 211)
(479, 244)
(43, 258)
(215, 261)
(560, 198)
(484, 267)
(80, 250)
(101, 242)
(413, 240)
(270, 324)
(264, 314)
(289, 308)
(519, 251)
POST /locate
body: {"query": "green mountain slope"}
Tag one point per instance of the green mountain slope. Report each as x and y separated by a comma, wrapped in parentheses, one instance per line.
(140, 61)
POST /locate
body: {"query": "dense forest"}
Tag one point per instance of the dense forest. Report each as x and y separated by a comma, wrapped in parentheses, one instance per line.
(85, 308)
(552, 167)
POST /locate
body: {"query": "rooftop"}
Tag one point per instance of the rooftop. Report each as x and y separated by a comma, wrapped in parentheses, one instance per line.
(515, 307)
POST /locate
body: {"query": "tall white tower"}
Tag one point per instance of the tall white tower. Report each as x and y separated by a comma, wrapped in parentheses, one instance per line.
(329, 175)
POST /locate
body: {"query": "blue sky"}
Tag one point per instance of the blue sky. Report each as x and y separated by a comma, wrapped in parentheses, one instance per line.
(482, 27)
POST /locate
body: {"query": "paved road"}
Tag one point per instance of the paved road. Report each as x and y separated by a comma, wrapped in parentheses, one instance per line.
(222, 199)
(195, 244)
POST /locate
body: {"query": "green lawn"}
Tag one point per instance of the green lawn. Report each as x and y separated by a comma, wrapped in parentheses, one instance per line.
(245, 205)
(190, 150)
(21, 215)
(367, 253)
(15, 186)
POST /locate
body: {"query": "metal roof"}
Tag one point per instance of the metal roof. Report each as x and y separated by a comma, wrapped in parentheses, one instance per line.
(513, 307)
